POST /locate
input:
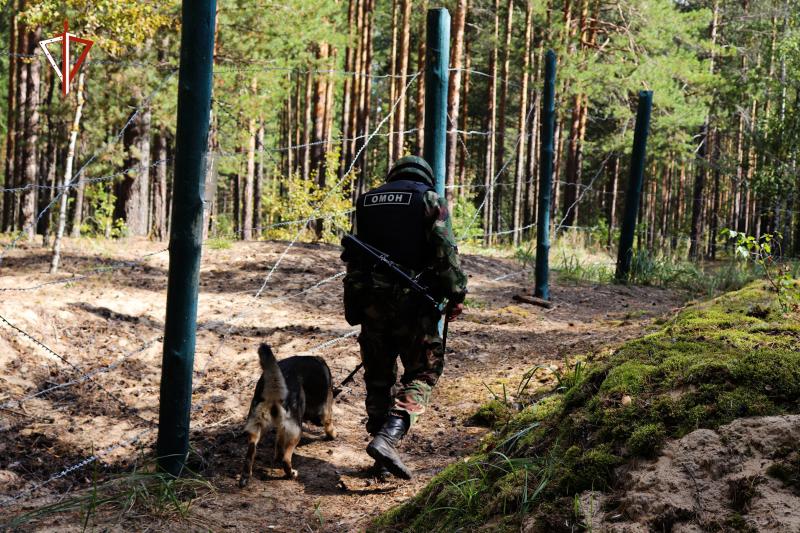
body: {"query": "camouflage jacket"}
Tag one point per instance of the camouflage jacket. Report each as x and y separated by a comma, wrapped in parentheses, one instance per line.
(446, 279)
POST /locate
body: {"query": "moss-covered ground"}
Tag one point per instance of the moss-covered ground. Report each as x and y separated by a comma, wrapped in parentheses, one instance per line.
(734, 356)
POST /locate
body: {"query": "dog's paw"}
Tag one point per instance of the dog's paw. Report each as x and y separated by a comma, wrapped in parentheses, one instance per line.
(330, 435)
(292, 474)
(243, 481)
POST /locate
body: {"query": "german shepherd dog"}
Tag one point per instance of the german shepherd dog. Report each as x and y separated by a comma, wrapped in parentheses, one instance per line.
(290, 391)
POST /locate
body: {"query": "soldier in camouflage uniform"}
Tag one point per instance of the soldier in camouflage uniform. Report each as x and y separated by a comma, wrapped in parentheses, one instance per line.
(407, 220)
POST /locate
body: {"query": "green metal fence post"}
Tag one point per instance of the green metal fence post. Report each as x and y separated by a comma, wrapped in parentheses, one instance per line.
(191, 145)
(625, 254)
(437, 74)
(546, 155)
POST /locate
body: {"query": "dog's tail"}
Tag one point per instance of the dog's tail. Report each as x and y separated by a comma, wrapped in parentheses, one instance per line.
(274, 384)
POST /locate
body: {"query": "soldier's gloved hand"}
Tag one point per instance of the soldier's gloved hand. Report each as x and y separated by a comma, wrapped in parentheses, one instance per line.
(454, 310)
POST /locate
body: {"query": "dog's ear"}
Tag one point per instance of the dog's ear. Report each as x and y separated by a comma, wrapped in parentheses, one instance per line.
(265, 355)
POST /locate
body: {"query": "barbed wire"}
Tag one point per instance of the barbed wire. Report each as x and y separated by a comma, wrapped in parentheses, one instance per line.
(511, 157)
(87, 181)
(145, 103)
(90, 274)
(75, 467)
(125, 407)
(85, 377)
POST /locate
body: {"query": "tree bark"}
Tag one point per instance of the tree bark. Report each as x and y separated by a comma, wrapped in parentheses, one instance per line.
(461, 180)
(19, 119)
(501, 140)
(420, 94)
(8, 197)
(491, 114)
(522, 123)
(393, 82)
(133, 190)
(28, 198)
(349, 66)
(307, 125)
(402, 73)
(67, 181)
(454, 97)
(160, 186)
(319, 118)
(259, 186)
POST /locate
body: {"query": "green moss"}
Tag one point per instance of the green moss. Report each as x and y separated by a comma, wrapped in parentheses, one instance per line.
(630, 377)
(586, 470)
(714, 362)
(492, 413)
(646, 440)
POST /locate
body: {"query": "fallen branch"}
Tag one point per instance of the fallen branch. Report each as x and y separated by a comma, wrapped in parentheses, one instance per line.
(533, 300)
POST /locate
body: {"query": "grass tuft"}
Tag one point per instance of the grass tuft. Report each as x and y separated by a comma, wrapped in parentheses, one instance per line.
(711, 364)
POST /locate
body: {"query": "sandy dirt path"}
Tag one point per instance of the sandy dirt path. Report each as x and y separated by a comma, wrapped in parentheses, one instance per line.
(109, 322)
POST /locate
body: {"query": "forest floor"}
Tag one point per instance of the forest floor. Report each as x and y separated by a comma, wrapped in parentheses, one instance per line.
(110, 320)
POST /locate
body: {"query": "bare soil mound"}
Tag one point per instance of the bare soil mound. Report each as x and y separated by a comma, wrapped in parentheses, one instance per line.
(742, 477)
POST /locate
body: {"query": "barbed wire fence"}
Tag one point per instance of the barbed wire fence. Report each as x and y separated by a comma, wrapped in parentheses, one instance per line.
(74, 375)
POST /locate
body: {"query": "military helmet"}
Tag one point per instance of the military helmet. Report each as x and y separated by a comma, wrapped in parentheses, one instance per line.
(411, 167)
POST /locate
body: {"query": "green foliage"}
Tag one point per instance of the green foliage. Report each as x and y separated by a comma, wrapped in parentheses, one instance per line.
(765, 252)
(465, 220)
(101, 221)
(302, 201)
(713, 363)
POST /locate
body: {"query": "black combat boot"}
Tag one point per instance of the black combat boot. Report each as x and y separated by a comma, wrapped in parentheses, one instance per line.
(383, 447)
(379, 472)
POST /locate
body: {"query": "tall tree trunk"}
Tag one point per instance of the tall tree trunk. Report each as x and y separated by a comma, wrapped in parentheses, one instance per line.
(250, 176)
(77, 212)
(501, 139)
(531, 171)
(160, 185)
(28, 198)
(402, 72)
(393, 82)
(612, 168)
(522, 123)
(259, 186)
(67, 181)
(695, 248)
(307, 125)
(461, 180)
(47, 163)
(367, 93)
(491, 114)
(19, 126)
(349, 79)
(133, 191)
(714, 217)
(13, 60)
(291, 124)
(420, 94)
(319, 117)
(454, 96)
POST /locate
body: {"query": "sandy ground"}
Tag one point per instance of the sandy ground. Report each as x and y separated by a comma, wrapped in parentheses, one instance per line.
(109, 323)
(707, 481)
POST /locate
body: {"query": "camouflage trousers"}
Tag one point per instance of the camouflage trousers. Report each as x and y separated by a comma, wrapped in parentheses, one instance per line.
(412, 334)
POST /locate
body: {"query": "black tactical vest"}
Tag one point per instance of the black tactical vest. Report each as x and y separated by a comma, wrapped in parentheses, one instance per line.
(391, 218)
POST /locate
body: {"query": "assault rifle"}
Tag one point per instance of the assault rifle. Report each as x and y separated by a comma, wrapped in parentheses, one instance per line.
(380, 258)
